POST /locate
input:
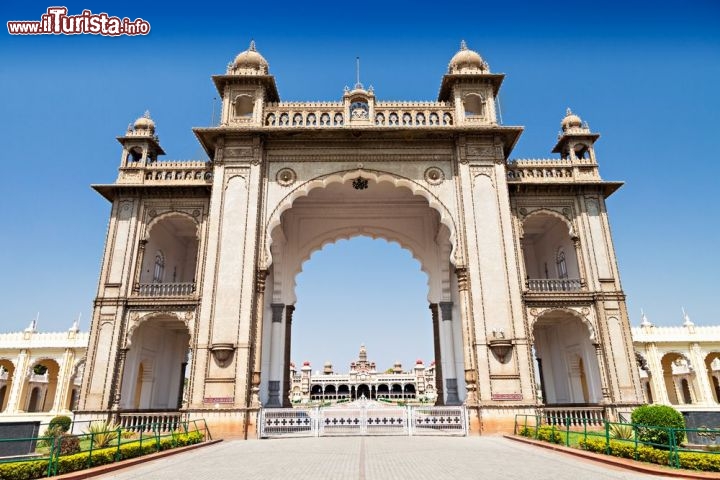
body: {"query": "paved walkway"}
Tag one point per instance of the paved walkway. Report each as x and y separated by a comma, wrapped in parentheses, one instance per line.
(374, 458)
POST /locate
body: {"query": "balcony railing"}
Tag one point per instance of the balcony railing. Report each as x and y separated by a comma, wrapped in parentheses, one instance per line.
(574, 416)
(554, 284)
(166, 289)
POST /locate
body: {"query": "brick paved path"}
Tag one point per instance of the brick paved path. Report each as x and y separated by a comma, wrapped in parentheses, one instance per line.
(373, 458)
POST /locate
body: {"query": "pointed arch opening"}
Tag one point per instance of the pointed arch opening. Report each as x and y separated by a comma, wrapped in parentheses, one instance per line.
(565, 360)
(346, 215)
(550, 259)
(679, 378)
(7, 371)
(170, 256)
(155, 365)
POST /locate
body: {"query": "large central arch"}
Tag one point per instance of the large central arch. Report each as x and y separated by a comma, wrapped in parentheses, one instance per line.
(330, 208)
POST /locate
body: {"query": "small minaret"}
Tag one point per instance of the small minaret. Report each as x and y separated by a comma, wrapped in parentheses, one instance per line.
(576, 141)
(471, 87)
(141, 147)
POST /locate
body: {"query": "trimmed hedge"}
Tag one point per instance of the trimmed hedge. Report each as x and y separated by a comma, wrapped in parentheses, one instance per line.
(706, 462)
(654, 421)
(544, 433)
(79, 461)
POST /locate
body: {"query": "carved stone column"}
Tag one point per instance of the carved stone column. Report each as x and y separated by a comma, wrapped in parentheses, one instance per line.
(260, 277)
(439, 389)
(289, 309)
(468, 334)
(580, 262)
(451, 380)
(701, 375)
(117, 384)
(138, 265)
(603, 373)
(275, 359)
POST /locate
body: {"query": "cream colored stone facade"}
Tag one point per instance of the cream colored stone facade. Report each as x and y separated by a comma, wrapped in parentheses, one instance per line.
(40, 373)
(200, 260)
(679, 366)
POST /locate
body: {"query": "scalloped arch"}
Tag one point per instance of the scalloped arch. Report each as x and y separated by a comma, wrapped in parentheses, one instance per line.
(344, 176)
(163, 216)
(679, 354)
(134, 325)
(553, 213)
(588, 323)
(348, 233)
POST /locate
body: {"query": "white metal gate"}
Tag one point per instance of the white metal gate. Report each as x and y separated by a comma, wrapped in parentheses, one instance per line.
(362, 418)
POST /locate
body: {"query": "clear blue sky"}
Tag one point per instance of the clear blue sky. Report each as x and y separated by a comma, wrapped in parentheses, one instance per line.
(643, 74)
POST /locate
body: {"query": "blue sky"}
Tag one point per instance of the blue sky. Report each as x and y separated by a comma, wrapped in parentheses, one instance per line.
(643, 74)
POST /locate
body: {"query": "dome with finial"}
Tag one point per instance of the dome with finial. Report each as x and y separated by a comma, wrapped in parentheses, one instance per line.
(467, 61)
(144, 124)
(570, 121)
(249, 62)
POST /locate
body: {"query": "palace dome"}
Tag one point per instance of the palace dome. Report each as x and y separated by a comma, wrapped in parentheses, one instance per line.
(145, 123)
(251, 60)
(571, 120)
(466, 60)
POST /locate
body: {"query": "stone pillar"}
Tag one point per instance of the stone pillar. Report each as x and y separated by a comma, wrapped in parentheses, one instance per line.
(275, 356)
(468, 334)
(287, 387)
(19, 379)
(122, 355)
(580, 262)
(138, 265)
(702, 375)
(657, 376)
(63, 381)
(451, 381)
(439, 389)
(603, 373)
(260, 277)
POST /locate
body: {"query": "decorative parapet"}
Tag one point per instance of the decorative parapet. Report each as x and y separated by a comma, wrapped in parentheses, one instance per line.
(55, 340)
(335, 114)
(552, 171)
(682, 334)
(178, 172)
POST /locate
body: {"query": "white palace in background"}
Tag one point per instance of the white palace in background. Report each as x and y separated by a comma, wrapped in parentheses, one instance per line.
(363, 381)
(198, 272)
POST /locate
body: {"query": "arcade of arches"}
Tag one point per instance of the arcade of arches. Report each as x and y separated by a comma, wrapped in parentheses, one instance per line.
(41, 373)
(523, 280)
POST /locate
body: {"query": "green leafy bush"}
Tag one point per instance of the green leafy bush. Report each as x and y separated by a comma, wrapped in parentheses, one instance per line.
(622, 431)
(71, 463)
(67, 444)
(549, 434)
(654, 424)
(62, 422)
(102, 433)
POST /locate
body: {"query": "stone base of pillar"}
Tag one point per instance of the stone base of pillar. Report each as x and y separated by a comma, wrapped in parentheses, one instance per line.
(452, 392)
(274, 394)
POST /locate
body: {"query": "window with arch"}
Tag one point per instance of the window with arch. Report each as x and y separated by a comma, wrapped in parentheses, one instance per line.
(561, 264)
(159, 271)
(474, 105)
(243, 106)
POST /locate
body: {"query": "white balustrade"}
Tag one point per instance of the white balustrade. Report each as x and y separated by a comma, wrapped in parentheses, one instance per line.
(166, 289)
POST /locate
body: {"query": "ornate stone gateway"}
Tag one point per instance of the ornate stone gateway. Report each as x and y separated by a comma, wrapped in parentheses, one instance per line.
(197, 287)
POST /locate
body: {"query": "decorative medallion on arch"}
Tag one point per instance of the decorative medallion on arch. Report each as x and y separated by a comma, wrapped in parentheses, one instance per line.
(286, 177)
(434, 175)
